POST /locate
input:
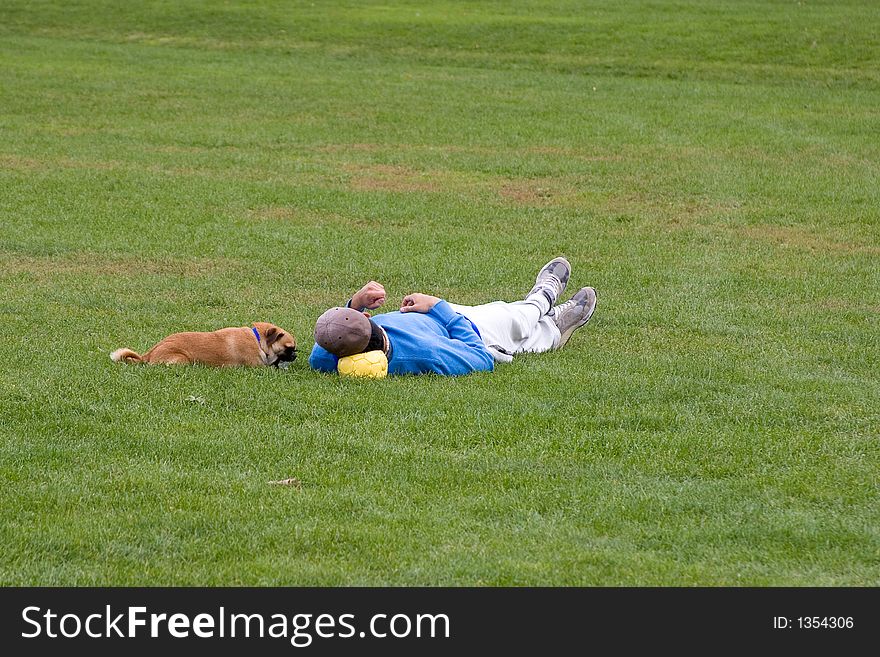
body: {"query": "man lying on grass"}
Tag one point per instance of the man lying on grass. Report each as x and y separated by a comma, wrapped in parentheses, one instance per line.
(429, 335)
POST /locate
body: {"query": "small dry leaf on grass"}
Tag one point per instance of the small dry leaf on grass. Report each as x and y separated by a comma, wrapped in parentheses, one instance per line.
(292, 481)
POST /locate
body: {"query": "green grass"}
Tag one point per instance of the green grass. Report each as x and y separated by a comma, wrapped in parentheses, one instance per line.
(712, 168)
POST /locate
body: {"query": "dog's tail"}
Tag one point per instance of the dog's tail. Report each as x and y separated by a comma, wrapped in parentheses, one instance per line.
(126, 355)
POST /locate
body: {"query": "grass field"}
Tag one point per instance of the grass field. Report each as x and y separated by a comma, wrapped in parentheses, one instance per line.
(712, 168)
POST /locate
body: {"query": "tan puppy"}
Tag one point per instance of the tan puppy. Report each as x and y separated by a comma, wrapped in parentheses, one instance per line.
(264, 344)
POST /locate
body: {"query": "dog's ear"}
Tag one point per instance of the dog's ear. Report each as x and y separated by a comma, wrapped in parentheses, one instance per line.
(273, 335)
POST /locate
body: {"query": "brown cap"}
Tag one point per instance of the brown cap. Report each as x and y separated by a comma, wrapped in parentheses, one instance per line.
(343, 331)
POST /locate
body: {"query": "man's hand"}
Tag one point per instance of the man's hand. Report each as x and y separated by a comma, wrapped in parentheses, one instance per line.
(371, 296)
(418, 303)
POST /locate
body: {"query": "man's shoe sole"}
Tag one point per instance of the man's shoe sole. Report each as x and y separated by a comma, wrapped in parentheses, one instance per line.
(564, 337)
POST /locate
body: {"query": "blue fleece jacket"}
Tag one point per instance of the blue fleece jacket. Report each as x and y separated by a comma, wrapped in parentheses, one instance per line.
(440, 341)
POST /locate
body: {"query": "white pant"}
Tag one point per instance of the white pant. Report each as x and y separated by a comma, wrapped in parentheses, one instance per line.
(513, 328)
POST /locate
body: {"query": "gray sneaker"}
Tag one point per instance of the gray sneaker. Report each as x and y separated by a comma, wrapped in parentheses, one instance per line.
(574, 313)
(552, 279)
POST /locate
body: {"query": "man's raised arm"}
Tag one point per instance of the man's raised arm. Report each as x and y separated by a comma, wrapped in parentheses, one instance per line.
(369, 297)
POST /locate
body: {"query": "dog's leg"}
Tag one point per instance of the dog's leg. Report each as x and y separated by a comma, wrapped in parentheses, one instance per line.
(172, 358)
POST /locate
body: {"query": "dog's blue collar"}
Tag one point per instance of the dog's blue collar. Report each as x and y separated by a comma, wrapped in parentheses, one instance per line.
(256, 333)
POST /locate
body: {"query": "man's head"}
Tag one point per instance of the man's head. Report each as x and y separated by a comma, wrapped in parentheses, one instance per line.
(345, 332)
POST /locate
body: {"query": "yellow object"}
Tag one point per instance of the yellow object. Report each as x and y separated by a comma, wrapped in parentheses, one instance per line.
(371, 364)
